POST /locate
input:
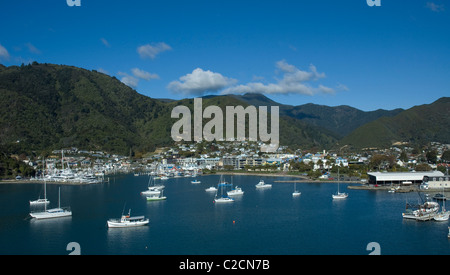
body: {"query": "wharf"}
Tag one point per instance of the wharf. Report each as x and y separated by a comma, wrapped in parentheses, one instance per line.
(402, 189)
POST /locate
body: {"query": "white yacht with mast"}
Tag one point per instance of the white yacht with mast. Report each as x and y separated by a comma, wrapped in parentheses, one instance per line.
(339, 195)
(53, 213)
(296, 193)
(40, 201)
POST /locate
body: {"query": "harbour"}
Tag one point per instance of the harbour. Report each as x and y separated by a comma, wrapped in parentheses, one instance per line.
(261, 221)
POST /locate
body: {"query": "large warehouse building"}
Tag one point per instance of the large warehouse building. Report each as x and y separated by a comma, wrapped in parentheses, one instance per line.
(403, 178)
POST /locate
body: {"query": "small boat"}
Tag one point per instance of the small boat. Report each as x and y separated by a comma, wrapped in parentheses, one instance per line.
(236, 191)
(261, 185)
(211, 189)
(127, 221)
(224, 198)
(39, 202)
(164, 178)
(296, 193)
(439, 196)
(196, 182)
(152, 188)
(448, 234)
(158, 197)
(444, 215)
(339, 195)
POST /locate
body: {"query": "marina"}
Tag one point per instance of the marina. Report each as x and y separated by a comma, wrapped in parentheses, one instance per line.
(261, 221)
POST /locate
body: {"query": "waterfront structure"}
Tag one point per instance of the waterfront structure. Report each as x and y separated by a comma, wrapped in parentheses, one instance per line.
(437, 182)
(404, 178)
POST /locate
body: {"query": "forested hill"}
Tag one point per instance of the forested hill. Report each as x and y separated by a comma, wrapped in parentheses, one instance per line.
(46, 106)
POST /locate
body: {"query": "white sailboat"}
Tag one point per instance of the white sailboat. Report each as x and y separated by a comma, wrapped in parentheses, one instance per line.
(339, 195)
(152, 188)
(40, 201)
(52, 213)
(296, 193)
(223, 198)
(444, 215)
(127, 221)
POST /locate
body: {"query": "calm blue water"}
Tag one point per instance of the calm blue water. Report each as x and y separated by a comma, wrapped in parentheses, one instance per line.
(188, 222)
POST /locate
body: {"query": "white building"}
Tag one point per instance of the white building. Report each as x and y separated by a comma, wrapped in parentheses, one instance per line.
(404, 178)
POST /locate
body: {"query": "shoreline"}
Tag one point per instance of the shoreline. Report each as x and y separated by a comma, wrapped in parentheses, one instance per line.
(301, 179)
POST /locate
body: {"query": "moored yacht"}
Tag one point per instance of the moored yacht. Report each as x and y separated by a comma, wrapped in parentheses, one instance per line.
(261, 184)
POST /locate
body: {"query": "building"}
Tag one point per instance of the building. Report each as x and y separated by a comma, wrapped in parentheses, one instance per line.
(437, 182)
(404, 178)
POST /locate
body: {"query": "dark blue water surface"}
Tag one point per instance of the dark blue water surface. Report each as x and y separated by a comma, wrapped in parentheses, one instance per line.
(260, 222)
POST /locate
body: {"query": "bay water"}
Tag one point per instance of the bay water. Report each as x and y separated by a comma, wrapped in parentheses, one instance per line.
(260, 222)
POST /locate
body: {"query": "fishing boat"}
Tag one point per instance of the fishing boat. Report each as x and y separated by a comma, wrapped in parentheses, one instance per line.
(127, 221)
(422, 212)
(53, 213)
(296, 193)
(261, 184)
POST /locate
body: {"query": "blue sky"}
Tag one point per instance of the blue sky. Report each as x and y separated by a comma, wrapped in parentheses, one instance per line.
(295, 52)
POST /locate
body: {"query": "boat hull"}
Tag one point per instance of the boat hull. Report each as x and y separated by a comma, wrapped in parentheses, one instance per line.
(51, 214)
(156, 198)
(115, 224)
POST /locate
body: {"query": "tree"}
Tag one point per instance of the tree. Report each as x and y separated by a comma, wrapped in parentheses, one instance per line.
(431, 156)
(423, 167)
(446, 156)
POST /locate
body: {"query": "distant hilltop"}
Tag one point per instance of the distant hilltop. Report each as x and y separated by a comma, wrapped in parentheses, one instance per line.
(46, 106)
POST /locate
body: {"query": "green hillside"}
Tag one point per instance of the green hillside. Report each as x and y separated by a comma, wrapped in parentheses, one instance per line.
(47, 106)
(418, 125)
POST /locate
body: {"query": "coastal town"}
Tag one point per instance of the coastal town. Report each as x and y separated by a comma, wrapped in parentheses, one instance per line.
(74, 165)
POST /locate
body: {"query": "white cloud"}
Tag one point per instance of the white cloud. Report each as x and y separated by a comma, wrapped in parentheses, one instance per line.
(133, 80)
(294, 81)
(105, 42)
(143, 74)
(4, 54)
(130, 81)
(435, 7)
(200, 82)
(151, 51)
(32, 48)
